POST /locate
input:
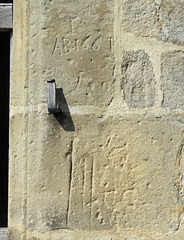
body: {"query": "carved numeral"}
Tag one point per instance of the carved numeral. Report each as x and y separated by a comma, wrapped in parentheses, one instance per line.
(95, 45)
(88, 43)
(85, 43)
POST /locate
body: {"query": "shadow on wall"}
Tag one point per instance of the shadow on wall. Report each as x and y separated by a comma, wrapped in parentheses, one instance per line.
(64, 117)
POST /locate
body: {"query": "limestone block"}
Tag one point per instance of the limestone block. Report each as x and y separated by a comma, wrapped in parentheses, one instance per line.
(77, 49)
(172, 77)
(127, 180)
(18, 123)
(19, 64)
(17, 170)
(139, 17)
(114, 178)
(48, 174)
(172, 20)
(160, 19)
(138, 80)
(115, 174)
(130, 178)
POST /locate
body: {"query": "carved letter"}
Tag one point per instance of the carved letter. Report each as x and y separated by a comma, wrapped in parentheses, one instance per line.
(56, 47)
(66, 46)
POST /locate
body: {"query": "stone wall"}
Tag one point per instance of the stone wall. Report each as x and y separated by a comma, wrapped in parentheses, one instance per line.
(111, 166)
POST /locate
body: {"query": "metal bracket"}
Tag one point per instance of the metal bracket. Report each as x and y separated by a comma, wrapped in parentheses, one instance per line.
(51, 97)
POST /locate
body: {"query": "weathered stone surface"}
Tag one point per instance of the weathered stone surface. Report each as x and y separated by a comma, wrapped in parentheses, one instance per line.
(77, 49)
(161, 19)
(18, 125)
(17, 170)
(101, 173)
(48, 176)
(90, 235)
(172, 79)
(19, 61)
(139, 17)
(13, 234)
(171, 20)
(129, 178)
(138, 80)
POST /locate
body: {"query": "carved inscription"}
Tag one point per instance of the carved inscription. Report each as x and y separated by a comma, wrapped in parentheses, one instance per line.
(66, 45)
(69, 46)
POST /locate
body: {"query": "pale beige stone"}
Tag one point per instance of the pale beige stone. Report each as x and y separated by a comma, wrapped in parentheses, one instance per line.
(101, 170)
(117, 181)
(13, 234)
(139, 17)
(160, 19)
(48, 176)
(77, 49)
(17, 169)
(130, 179)
(18, 120)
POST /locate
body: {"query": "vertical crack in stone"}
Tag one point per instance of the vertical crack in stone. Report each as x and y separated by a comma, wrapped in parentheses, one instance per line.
(70, 183)
(179, 167)
(179, 185)
(83, 182)
(92, 181)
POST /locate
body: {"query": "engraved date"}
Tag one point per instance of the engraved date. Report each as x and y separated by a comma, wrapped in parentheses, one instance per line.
(88, 43)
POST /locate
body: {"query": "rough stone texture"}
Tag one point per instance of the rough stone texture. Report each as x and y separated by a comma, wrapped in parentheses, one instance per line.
(161, 19)
(138, 81)
(13, 234)
(139, 17)
(110, 166)
(172, 79)
(77, 49)
(18, 120)
(49, 210)
(172, 18)
(16, 181)
(117, 181)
